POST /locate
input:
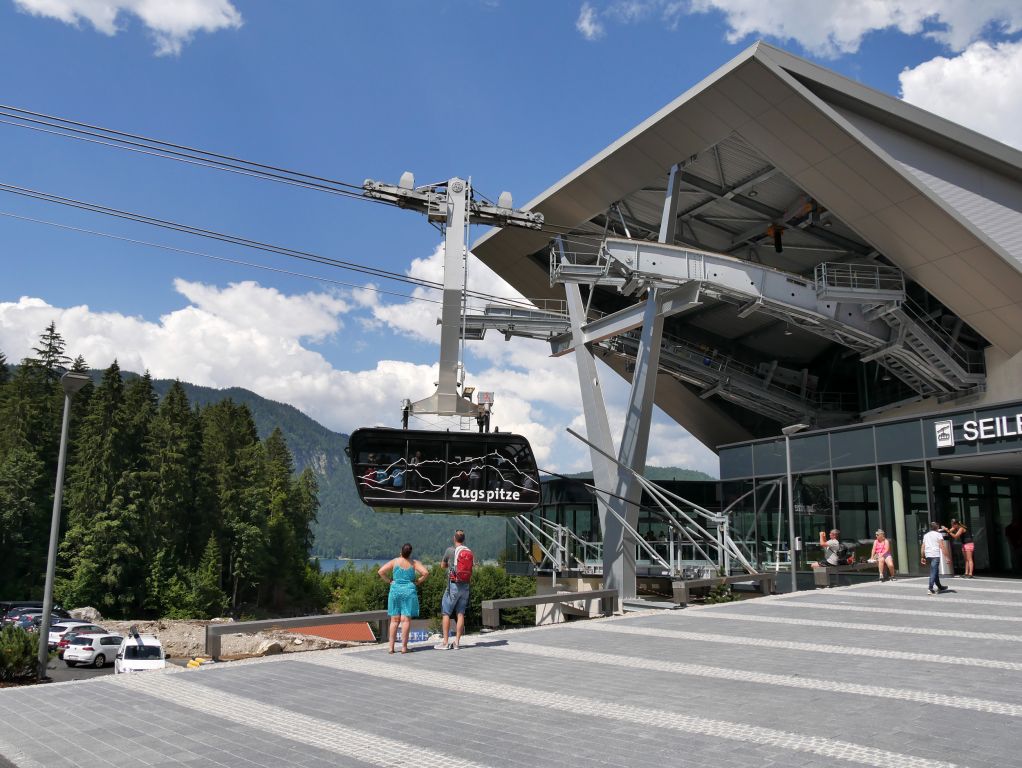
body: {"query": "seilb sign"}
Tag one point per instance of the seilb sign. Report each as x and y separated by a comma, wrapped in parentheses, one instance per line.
(978, 430)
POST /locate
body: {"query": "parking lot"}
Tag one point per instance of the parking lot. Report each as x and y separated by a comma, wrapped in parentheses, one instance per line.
(60, 672)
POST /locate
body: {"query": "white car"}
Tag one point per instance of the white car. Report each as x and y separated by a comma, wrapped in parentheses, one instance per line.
(97, 649)
(57, 630)
(139, 653)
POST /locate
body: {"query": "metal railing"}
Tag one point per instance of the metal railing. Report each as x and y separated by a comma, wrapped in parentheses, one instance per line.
(214, 632)
(858, 278)
(969, 360)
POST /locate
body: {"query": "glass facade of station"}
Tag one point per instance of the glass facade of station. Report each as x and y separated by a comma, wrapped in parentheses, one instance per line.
(896, 475)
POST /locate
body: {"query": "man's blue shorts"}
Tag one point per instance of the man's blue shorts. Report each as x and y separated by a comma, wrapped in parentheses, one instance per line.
(455, 599)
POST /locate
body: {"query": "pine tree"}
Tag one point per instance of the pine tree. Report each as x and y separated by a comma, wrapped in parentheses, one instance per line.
(306, 506)
(21, 474)
(50, 357)
(233, 495)
(99, 462)
(172, 449)
(140, 404)
(111, 570)
(4, 373)
(207, 597)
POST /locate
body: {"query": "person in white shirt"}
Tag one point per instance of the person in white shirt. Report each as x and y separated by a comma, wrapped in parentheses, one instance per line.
(932, 550)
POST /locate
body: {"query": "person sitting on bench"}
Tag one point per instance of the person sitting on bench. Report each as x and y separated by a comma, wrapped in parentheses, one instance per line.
(834, 552)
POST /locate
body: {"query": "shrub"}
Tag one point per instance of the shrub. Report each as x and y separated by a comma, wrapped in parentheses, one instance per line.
(721, 593)
(17, 654)
(362, 590)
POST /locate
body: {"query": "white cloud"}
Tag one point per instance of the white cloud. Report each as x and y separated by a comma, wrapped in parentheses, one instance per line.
(172, 23)
(827, 28)
(979, 88)
(839, 26)
(309, 315)
(588, 23)
(257, 337)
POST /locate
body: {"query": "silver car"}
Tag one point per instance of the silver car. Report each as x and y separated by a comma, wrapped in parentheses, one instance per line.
(96, 649)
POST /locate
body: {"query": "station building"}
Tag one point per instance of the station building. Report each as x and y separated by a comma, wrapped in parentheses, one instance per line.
(856, 273)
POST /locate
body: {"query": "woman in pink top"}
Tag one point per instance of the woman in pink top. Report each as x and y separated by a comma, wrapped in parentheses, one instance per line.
(882, 555)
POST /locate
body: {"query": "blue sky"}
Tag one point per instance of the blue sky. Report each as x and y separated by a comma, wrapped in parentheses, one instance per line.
(515, 94)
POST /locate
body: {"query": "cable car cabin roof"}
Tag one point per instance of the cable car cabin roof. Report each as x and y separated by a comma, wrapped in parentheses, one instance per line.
(467, 473)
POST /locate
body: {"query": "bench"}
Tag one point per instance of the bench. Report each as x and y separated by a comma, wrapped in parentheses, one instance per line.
(214, 632)
(608, 604)
(682, 587)
(822, 573)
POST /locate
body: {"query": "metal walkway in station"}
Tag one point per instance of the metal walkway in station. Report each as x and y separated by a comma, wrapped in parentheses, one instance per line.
(868, 675)
(863, 307)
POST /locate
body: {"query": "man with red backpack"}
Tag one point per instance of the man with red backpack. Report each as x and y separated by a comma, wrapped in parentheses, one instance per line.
(458, 562)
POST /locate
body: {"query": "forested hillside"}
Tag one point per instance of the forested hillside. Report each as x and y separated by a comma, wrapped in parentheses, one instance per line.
(168, 510)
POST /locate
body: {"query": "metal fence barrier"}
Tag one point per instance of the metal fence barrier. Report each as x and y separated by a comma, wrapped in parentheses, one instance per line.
(215, 631)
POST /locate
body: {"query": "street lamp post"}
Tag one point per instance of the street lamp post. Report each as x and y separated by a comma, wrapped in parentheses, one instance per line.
(71, 383)
(788, 432)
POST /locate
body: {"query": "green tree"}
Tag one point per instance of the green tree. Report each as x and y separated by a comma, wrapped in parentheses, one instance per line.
(4, 373)
(234, 497)
(172, 450)
(21, 473)
(99, 463)
(50, 355)
(207, 597)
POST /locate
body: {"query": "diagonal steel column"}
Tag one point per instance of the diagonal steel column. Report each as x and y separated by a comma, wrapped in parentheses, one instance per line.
(605, 472)
(618, 549)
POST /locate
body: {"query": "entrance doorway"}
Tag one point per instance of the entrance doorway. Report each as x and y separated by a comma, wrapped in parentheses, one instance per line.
(988, 506)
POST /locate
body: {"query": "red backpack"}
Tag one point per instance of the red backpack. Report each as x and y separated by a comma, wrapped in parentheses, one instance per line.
(461, 568)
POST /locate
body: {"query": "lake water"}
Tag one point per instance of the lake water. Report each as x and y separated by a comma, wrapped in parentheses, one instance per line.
(328, 564)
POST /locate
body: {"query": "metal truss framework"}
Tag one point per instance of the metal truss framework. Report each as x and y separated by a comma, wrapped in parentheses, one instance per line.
(863, 307)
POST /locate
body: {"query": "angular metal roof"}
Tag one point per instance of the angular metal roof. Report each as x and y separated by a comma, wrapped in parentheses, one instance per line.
(768, 131)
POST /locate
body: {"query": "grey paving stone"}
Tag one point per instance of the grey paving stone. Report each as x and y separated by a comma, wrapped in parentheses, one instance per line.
(418, 701)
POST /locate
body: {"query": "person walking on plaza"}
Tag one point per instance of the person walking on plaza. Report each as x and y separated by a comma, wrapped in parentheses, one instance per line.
(962, 535)
(882, 554)
(933, 549)
(458, 562)
(403, 599)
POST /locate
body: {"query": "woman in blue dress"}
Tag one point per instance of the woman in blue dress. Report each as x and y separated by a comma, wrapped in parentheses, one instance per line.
(403, 601)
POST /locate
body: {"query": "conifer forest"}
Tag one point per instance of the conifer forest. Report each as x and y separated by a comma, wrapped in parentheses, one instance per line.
(169, 510)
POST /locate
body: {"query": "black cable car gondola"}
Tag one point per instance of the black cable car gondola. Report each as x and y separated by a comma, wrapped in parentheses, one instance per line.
(492, 473)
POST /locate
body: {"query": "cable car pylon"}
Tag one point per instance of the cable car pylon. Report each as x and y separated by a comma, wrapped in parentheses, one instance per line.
(440, 471)
(452, 205)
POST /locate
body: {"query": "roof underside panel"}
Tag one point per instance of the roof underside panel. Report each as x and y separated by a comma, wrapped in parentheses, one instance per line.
(991, 203)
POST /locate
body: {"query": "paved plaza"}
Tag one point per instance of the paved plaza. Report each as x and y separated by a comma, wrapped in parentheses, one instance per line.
(877, 674)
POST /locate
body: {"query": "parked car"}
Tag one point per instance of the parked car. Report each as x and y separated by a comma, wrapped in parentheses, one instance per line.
(12, 614)
(30, 620)
(57, 630)
(66, 639)
(71, 634)
(97, 649)
(11, 609)
(139, 653)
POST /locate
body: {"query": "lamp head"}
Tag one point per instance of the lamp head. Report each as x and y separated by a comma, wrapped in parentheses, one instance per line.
(72, 381)
(791, 429)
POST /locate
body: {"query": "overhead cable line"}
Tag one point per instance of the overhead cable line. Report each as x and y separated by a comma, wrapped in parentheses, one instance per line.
(214, 257)
(246, 242)
(147, 145)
